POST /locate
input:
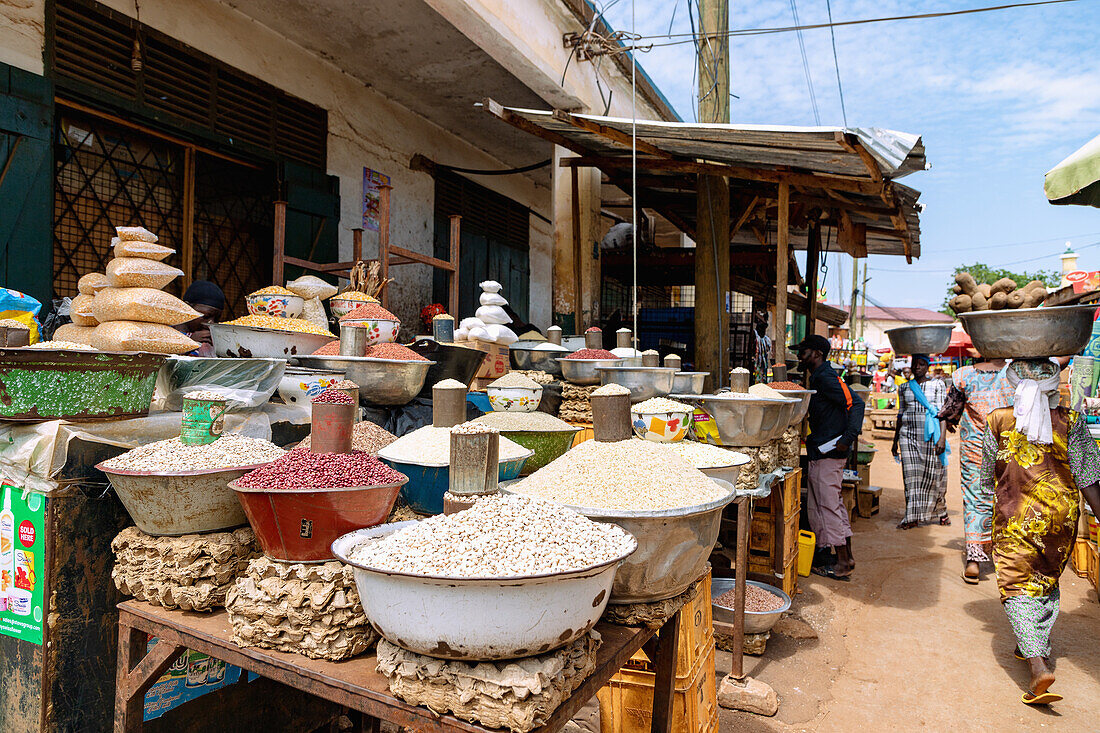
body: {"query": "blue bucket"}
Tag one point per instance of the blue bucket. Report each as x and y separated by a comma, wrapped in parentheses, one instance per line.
(427, 484)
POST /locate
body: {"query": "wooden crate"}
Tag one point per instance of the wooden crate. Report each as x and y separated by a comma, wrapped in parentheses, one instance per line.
(696, 639)
(1094, 567)
(769, 540)
(848, 494)
(867, 501)
(586, 432)
(1079, 559)
(864, 475)
(626, 703)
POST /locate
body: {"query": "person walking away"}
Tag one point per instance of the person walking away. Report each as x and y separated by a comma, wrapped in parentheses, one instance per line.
(1036, 456)
(836, 417)
(975, 392)
(921, 442)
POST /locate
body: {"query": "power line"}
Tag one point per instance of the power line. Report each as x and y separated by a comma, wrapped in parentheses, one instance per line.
(679, 38)
(836, 64)
(995, 265)
(805, 62)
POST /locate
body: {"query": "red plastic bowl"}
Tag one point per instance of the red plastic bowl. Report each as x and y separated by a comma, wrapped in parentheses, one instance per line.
(300, 526)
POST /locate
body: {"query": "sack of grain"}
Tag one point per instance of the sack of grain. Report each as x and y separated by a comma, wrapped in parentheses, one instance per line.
(139, 272)
(142, 304)
(135, 234)
(135, 248)
(311, 286)
(91, 283)
(134, 336)
(82, 310)
(76, 334)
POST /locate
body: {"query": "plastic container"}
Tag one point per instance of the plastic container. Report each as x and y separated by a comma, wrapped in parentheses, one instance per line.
(300, 526)
(807, 543)
(427, 484)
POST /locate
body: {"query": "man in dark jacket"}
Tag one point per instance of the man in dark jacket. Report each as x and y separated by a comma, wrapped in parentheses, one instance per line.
(836, 417)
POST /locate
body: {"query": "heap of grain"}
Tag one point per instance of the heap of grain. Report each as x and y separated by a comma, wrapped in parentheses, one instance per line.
(627, 475)
(431, 446)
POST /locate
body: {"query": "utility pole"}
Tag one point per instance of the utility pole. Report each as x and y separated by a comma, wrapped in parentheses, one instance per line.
(863, 299)
(855, 290)
(712, 240)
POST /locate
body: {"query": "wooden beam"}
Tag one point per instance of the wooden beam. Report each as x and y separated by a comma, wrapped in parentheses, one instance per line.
(744, 217)
(610, 133)
(852, 144)
(782, 252)
(851, 184)
(497, 110)
(813, 251)
(280, 242)
(796, 302)
(419, 259)
(851, 237)
(456, 255)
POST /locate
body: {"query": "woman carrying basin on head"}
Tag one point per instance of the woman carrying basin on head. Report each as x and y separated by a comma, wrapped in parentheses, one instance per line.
(920, 441)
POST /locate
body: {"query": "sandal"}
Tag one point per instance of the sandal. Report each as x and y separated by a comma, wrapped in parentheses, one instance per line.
(826, 571)
(945, 521)
(974, 580)
(907, 525)
(1043, 698)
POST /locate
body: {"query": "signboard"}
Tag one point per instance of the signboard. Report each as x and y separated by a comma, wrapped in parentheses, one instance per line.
(372, 197)
(1082, 281)
(193, 675)
(22, 542)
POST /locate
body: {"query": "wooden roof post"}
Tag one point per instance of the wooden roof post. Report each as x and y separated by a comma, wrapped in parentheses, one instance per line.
(813, 255)
(564, 290)
(781, 258)
(712, 279)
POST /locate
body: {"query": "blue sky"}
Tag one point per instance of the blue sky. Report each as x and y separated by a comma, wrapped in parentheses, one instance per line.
(999, 98)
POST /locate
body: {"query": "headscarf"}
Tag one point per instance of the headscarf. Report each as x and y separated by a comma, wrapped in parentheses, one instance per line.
(1033, 401)
(921, 357)
(204, 292)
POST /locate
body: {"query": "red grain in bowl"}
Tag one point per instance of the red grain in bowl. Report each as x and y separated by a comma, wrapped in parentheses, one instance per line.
(301, 470)
(332, 348)
(332, 397)
(370, 311)
(592, 354)
(785, 385)
(393, 351)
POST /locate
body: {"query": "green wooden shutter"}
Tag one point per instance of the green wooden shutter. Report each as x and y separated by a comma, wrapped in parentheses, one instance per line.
(312, 217)
(26, 182)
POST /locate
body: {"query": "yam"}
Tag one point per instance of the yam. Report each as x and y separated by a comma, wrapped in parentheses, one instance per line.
(979, 302)
(1015, 299)
(967, 282)
(961, 303)
(957, 290)
(986, 289)
(1034, 285)
(998, 301)
(1033, 297)
(1005, 285)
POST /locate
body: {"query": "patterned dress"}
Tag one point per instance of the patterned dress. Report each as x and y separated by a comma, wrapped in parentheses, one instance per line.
(925, 477)
(985, 391)
(1037, 504)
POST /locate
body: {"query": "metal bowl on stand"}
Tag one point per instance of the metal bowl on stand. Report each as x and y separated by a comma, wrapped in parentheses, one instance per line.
(756, 622)
(743, 420)
(804, 396)
(251, 342)
(689, 382)
(583, 371)
(931, 338)
(1030, 333)
(530, 615)
(385, 382)
(643, 382)
(528, 355)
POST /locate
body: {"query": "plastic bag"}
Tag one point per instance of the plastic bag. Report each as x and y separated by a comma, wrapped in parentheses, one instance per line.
(134, 248)
(82, 310)
(467, 323)
(135, 234)
(490, 314)
(76, 334)
(142, 304)
(311, 286)
(502, 334)
(313, 310)
(139, 272)
(478, 333)
(91, 283)
(247, 383)
(492, 299)
(20, 307)
(133, 336)
(490, 286)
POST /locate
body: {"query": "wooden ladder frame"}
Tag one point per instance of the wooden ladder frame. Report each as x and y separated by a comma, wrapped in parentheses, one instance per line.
(389, 255)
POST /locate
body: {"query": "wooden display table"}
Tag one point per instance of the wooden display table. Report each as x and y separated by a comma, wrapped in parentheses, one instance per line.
(354, 683)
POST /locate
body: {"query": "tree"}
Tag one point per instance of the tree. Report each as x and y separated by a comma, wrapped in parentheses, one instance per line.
(988, 275)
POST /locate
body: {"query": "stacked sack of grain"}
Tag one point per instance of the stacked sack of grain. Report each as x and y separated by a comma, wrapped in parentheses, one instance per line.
(132, 312)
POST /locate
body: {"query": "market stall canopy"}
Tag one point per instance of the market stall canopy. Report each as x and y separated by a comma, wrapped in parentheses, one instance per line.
(1076, 180)
(842, 177)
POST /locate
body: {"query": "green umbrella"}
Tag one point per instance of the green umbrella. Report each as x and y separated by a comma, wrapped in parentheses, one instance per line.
(1076, 180)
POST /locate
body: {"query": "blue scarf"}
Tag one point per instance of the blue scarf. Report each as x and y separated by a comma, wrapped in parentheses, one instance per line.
(931, 422)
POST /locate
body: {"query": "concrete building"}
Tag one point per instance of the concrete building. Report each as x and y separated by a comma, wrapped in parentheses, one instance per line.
(193, 116)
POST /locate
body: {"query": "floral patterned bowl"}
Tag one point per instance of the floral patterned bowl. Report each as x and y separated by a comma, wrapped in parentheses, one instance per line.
(379, 331)
(299, 386)
(514, 399)
(340, 307)
(279, 306)
(661, 427)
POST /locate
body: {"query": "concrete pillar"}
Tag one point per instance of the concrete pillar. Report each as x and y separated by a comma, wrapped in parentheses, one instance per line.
(576, 290)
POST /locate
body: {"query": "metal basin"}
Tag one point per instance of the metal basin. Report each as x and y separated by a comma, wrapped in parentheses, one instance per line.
(674, 546)
(526, 355)
(263, 343)
(173, 504)
(385, 382)
(478, 619)
(583, 371)
(756, 622)
(804, 396)
(548, 445)
(428, 482)
(1030, 333)
(931, 338)
(689, 382)
(46, 384)
(728, 473)
(643, 382)
(300, 526)
(449, 362)
(745, 421)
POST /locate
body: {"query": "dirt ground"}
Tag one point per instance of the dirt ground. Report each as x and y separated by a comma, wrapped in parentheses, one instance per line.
(907, 645)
